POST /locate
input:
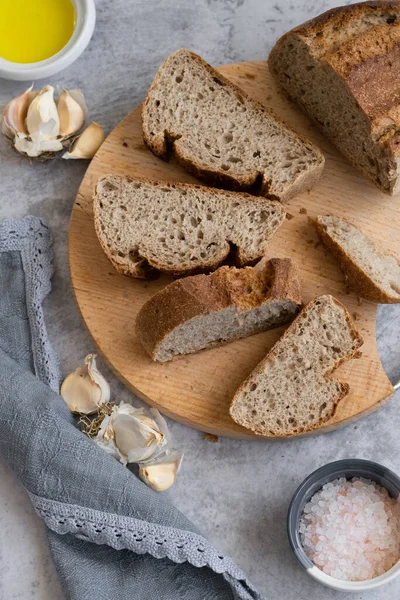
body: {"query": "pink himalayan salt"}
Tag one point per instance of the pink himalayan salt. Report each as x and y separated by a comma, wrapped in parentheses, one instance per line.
(351, 529)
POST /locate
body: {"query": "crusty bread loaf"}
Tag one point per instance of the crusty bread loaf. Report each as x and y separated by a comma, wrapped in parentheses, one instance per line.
(371, 273)
(221, 135)
(149, 226)
(204, 311)
(343, 69)
(291, 391)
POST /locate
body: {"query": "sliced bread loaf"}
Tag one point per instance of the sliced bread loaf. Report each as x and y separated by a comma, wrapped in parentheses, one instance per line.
(145, 226)
(204, 311)
(291, 390)
(371, 273)
(343, 69)
(221, 135)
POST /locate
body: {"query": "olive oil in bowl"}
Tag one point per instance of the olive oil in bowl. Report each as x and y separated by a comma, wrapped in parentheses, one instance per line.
(34, 30)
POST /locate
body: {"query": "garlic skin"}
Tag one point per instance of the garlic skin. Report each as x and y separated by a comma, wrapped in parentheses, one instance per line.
(85, 390)
(161, 475)
(134, 436)
(86, 145)
(70, 113)
(38, 126)
(36, 146)
(15, 113)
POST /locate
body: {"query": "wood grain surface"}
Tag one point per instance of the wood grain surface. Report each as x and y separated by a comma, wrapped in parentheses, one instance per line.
(196, 390)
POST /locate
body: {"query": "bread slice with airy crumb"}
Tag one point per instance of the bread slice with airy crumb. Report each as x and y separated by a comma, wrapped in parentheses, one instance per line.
(291, 391)
(221, 135)
(204, 311)
(370, 272)
(147, 226)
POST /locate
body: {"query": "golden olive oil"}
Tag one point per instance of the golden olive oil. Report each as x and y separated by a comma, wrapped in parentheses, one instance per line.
(33, 30)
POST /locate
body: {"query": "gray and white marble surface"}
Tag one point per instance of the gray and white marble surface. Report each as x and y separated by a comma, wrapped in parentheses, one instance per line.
(236, 492)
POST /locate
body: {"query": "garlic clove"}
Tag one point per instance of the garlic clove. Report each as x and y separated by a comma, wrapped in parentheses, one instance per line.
(15, 113)
(42, 111)
(85, 389)
(97, 377)
(70, 113)
(33, 95)
(143, 455)
(160, 476)
(131, 439)
(105, 438)
(80, 99)
(86, 145)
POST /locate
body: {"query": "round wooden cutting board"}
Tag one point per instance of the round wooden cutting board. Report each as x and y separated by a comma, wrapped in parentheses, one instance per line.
(197, 390)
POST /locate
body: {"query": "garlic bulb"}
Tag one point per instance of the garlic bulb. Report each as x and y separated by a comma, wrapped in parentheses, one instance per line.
(86, 144)
(38, 126)
(161, 475)
(85, 390)
(132, 435)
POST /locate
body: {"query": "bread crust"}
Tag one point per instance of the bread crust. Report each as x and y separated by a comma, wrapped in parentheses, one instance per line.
(356, 278)
(186, 299)
(257, 183)
(345, 388)
(146, 268)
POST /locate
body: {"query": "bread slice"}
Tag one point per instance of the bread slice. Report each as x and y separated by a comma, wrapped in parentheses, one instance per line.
(291, 390)
(221, 135)
(144, 226)
(343, 69)
(371, 273)
(204, 311)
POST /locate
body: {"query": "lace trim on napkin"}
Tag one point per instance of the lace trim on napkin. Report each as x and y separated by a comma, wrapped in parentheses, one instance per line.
(122, 532)
(32, 238)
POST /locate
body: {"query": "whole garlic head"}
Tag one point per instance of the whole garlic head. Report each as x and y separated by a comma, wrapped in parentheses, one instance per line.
(134, 435)
(85, 390)
(39, 126)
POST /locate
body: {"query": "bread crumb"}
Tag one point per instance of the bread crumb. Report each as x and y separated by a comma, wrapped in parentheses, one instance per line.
(289, 216)
(125, 144)
(210, 437)
(303, 211)
(356, 316)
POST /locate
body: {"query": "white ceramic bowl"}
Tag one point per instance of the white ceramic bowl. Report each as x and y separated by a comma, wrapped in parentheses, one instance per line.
(85, 21)
(348, 468)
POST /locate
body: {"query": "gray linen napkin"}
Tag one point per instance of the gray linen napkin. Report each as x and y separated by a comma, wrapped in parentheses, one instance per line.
(111, 536)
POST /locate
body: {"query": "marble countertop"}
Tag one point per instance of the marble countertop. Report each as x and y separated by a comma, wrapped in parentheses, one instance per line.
(236, 492)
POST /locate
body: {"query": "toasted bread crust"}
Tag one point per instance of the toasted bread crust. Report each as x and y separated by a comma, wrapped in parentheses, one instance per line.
(341, 15)
(160, 146)
(356, 279)
(345, 388)
(186, 299)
